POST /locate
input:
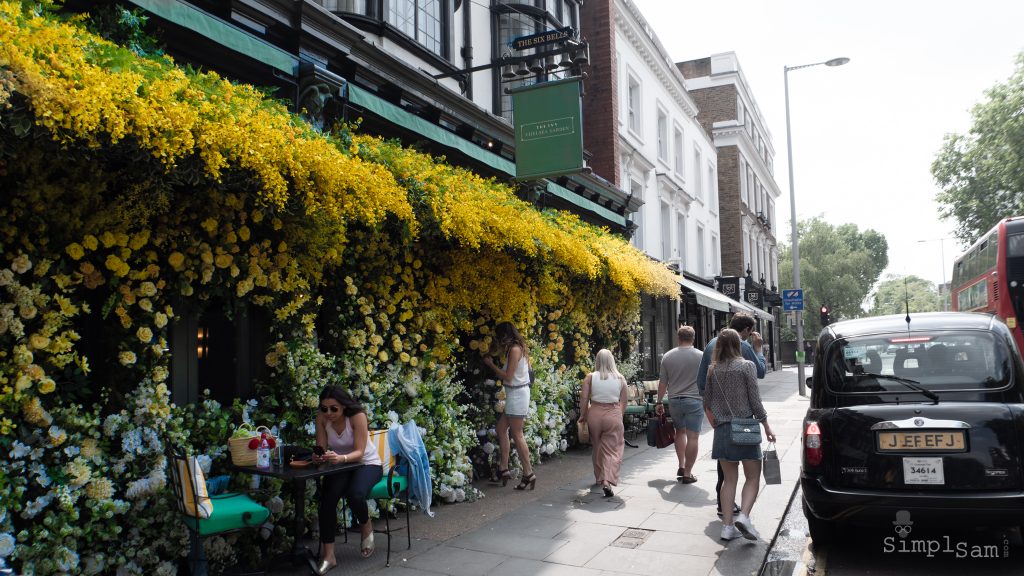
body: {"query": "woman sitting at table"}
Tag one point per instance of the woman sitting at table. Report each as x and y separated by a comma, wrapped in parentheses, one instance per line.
(342, 430)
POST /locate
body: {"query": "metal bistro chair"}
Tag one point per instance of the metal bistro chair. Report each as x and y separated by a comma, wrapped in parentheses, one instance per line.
(393, 486)
(226, 512)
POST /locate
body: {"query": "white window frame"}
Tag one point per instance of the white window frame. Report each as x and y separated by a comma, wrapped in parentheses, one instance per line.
(698, 184)
(701, 265)
(634, 105)
(712, 189)
(662, 132)
(715, 256)
(678, 149)
(636, 187)
(665, 220)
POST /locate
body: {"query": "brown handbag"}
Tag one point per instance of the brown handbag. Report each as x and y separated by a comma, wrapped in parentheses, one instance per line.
(662, 431)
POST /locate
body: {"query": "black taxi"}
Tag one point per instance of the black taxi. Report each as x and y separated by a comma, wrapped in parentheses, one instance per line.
(921, 413)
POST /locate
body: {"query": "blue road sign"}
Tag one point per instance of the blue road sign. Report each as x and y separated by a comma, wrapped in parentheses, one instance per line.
(792, 300)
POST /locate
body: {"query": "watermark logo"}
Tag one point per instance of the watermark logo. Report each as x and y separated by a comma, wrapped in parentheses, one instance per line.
(903, 524)
(941, 546)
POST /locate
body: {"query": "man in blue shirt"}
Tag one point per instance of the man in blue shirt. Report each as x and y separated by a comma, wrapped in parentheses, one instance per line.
(751, 349)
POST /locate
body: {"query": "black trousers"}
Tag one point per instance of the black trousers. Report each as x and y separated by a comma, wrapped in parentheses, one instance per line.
(353, 486)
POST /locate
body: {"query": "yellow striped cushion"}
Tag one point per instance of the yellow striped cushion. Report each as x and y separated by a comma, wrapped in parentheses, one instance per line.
(380, 440)
(192, 476)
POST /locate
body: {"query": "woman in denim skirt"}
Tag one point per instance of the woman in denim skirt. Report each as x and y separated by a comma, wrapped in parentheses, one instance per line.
(731, 392)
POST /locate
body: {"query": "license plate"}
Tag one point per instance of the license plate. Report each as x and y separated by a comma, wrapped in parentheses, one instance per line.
(923, 471)
(922, 441)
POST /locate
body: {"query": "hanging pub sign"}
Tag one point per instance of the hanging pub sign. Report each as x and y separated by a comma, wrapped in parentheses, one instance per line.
(755, 297)
(549, 128)
(730, 286)
(546, 37)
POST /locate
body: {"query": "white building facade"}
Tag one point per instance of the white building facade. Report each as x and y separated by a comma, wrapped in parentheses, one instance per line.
(666, 158)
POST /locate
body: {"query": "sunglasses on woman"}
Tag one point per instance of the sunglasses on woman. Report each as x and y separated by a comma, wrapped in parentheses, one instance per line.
(324, 409)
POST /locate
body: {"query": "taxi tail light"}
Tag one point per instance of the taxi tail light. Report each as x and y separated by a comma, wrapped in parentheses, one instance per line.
(812, 444)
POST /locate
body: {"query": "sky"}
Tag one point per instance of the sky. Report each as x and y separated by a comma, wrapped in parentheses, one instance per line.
(864, 134)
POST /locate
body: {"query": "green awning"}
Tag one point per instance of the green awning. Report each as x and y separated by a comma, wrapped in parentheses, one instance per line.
(221, 32)
(580, 201)
(398, 115)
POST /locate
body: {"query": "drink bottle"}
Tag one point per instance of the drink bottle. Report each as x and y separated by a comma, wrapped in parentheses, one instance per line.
(263, 454)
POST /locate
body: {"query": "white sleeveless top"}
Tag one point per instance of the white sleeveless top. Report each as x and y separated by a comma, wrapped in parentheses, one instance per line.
(605, 390)
(521, 377)
(346, 442)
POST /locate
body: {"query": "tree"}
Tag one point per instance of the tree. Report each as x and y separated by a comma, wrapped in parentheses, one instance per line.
(896, 293)
(838, 267)
(981, 174)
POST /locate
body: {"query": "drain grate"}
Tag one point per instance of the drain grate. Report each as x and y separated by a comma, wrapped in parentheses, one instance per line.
(632, 538)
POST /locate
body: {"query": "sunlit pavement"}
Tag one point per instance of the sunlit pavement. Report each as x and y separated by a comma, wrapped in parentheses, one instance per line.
(652, 526)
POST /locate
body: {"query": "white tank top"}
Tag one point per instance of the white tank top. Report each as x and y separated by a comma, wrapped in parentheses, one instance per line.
(521, 376)
(605, 390)
(346, 442)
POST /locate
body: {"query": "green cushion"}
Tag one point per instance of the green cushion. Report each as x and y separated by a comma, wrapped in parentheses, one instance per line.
(229, 514)
(633, 410)
(380, 489)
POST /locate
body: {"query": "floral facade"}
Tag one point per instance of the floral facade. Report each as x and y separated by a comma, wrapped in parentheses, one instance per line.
(139, 197)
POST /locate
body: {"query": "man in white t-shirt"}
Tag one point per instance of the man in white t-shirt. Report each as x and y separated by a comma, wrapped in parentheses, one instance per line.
(678, 377)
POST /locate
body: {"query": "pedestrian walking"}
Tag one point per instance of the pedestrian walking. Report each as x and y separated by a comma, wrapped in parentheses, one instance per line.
(731, 392)
(743, 324)
(515, 377)
(602, 404)
(678, 378)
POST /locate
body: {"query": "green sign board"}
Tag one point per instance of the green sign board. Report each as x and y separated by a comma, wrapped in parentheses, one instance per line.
(549, 129)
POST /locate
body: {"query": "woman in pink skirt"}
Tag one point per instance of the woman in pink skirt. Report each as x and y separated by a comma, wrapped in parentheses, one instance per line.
(602, 403)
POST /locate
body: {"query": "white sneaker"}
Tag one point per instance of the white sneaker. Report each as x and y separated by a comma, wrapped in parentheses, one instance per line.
(746, 527)
(729, 532)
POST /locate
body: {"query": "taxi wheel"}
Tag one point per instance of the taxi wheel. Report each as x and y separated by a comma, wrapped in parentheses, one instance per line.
(823, 532)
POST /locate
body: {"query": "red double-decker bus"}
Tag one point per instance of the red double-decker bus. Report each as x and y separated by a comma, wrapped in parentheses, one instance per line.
(989, 276)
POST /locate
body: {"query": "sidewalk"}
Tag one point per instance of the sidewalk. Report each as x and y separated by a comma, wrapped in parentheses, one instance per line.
(652, 526)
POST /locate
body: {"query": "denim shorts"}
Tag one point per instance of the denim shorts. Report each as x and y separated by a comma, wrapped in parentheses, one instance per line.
(686, 413)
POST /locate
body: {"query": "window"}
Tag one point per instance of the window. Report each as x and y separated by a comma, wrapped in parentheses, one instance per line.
(743, 182)
(662, 135)
(637, 190)
(633, 106)
(700, 250)
(698, 186)
(751, 187)
(715, 258)
(740, 116)
(712, 189)
(681, 239)
(666, 233)
(420, 20)
(677, 150)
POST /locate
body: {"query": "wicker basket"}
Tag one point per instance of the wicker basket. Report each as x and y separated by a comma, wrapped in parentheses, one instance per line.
(241, 454)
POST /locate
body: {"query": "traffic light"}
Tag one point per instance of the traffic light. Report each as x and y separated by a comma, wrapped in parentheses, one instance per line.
(824, 316)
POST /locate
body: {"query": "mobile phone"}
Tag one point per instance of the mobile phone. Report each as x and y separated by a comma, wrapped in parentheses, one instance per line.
(318, 450)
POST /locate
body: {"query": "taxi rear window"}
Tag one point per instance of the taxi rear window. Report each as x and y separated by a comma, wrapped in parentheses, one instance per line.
(943, 361)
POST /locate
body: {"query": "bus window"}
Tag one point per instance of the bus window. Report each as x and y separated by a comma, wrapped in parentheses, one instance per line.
(1015, 245)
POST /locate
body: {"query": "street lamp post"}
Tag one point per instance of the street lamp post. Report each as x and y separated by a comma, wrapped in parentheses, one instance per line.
(792, 209)
(942, 254)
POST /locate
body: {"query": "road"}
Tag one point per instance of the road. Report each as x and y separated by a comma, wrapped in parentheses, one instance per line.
(880, 550)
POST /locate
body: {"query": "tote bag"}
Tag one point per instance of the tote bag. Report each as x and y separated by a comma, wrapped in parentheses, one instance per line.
(660, 432)
(772, 470)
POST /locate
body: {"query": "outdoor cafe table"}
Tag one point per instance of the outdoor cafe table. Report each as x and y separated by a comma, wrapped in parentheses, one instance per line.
(298, 476)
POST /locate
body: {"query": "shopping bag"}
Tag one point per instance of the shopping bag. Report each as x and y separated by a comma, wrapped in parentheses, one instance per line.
(660, 432)
(582, 432)
(770, 465)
